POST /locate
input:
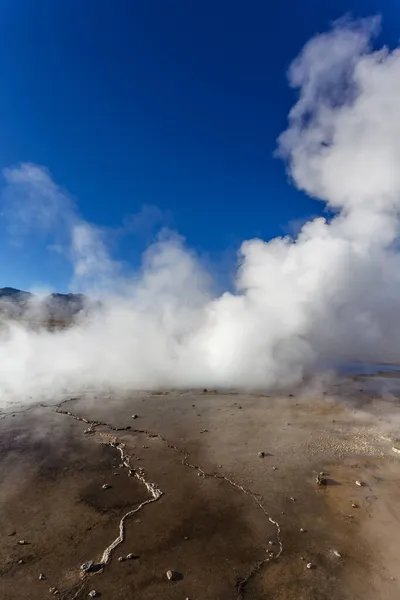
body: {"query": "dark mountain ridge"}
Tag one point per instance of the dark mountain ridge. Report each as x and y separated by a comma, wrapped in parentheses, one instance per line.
(17, 303)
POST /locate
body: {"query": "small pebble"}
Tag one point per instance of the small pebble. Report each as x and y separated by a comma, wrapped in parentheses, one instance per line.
(261, 454)
(42, 577)
(302, 530)
(12, 533)
(134, 416)
(310, 566)
(92, 594)
(170, 575)
(54, 591)
(130, 556)
(21, 561)
(354, 505)
(105, 486)
(22, 542)
(337, 553)
(274, 468)
(121, 559)
(359, 483)
(292, 499)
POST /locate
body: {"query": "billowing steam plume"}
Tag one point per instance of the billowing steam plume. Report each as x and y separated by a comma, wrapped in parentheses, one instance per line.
(300, 305)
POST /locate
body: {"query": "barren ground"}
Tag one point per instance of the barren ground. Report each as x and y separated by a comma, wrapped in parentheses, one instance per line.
(231, 524)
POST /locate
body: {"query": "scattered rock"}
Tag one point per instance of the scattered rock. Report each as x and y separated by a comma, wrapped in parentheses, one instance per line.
(121, 558)
(106, 486)
(354, 505)
(205, 391)
(54, 591)
(134, 416)
(337, 553)
(131, 556)
(359, 483)
(396, 449)
(302, 530)
(310, 566)
(204, 431)
(22, 542)
(271, 542)
(93, 594)
(292, 499)
(274, 468)
(261, 454)
(21, 561)
(12, 533)
(174, 575)
(321, 479)
(42, 577)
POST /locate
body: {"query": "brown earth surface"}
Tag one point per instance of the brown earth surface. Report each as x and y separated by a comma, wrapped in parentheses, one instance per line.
(229, 523)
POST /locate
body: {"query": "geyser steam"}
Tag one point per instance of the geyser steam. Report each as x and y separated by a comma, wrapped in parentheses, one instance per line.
(330, 295)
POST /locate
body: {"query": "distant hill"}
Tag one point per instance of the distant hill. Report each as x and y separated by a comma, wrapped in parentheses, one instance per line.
(57, 307)
(14, 295)
(67, 304)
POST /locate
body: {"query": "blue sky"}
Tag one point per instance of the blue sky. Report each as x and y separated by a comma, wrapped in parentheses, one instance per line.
(173, 104)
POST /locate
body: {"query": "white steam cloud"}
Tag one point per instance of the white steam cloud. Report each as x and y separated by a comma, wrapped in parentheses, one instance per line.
(300, 305)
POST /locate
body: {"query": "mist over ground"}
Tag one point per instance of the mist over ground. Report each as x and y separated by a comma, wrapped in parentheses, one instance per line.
(301, 305)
